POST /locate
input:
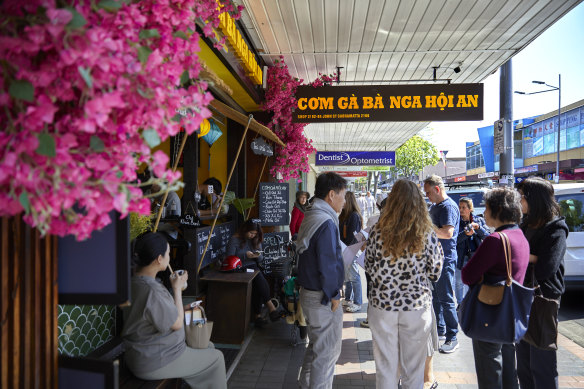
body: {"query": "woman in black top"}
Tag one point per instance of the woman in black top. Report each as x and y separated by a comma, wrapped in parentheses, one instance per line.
(246, 244)
(351, 221)
(546, 233)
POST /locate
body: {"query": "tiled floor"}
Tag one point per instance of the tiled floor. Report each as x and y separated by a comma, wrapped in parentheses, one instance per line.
(270, 360)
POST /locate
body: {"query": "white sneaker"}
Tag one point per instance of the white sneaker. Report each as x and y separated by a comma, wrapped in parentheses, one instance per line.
(353, 308)
(347, 303)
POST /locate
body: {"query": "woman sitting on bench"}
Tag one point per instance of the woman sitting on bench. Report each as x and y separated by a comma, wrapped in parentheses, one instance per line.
(153, 325)
(246, 244)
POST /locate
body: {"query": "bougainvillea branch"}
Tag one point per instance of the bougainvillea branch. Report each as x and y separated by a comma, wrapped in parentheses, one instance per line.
(291, 160)
(87, 90)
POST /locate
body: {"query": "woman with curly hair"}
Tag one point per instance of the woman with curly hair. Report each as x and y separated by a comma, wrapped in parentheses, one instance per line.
(403, 256)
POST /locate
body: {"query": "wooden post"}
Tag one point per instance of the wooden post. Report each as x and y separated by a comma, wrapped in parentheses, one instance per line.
(257, 185)
(223, 197)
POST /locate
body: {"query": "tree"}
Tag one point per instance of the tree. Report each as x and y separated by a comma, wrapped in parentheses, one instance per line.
(415, 155)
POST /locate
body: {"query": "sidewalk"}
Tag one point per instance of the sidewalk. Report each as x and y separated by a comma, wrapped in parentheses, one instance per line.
(270, 361)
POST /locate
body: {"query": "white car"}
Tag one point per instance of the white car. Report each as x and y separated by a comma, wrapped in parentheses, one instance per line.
(571, 200)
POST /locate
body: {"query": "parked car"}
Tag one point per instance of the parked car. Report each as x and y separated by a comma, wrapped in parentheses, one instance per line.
(571, 199)
(474, 193)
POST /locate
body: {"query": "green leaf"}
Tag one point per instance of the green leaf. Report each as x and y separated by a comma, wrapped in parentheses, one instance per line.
(96, 144)
(24, 201)
(109, 5)
(184, 77)
(151, 33)
(228, 197)
(151, 137)
(143, 54)
(86, 74)
(181, 34)
(119, 174)
(176, 118)
(144, 94)
(46, 145)
(77, 21)
(22, 90)
(243, 204)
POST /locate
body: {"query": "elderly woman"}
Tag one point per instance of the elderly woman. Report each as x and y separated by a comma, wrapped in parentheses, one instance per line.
(471, 232)
(546, 233)
(495, 362)
(153, 325)
(403, 256)
(246, 244)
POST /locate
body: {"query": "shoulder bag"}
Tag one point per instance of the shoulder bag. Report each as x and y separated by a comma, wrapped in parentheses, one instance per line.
(542, 331)
(198, 332)
(497, 313)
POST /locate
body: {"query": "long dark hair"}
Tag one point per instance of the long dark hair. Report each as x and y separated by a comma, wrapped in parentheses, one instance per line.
(350, 208)
(247, 226)
(539, 194)
(147, 247)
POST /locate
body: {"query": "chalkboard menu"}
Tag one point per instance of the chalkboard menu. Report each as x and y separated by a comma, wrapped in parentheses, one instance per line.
(217, 245)
(274, 203)
(274, 246)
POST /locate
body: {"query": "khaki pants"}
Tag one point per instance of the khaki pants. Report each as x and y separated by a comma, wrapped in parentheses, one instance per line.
(400, 343)
(325, 340)
(200, 368)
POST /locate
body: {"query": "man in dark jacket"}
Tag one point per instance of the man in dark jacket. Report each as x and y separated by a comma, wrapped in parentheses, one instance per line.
(321, 275)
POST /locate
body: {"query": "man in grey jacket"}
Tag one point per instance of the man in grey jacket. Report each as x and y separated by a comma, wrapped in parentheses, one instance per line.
(321, 274)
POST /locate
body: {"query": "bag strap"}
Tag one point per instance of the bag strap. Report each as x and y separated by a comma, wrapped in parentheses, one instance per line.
(507, 251)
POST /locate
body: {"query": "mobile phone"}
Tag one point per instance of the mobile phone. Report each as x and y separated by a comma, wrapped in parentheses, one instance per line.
(209, 189)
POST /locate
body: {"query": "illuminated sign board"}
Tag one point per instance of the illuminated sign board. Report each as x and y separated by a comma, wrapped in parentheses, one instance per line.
(389, 103)
(240, 48)
(355, 158)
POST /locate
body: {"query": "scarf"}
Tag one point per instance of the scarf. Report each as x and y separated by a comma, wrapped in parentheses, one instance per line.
(314, 217)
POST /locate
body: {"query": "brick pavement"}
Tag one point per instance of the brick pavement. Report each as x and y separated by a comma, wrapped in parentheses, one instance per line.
(271, 361)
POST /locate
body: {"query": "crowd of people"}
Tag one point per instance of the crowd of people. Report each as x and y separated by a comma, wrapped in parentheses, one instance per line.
(420, 260)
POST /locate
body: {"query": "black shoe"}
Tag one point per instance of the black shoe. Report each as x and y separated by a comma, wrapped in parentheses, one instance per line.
(260, 322)
(275, 315)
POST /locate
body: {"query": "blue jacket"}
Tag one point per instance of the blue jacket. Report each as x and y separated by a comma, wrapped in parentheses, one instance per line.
(467, 245)
(320, 266)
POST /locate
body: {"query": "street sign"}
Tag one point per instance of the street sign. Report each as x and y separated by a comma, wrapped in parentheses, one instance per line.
(499, 136)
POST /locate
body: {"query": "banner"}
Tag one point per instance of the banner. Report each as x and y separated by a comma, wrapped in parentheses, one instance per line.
(355, 158)
(389, 103)
(353, 168)
(352, 174)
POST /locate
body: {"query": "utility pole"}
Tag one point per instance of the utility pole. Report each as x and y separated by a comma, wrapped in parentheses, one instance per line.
(506, 165)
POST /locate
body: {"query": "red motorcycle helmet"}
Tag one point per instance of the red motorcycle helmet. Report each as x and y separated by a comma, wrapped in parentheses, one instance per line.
(231, 263)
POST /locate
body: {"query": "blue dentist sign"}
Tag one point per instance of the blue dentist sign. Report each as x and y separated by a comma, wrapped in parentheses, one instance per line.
(355, 158)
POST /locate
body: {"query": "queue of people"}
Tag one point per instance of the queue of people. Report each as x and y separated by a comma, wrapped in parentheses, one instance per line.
(414, 257)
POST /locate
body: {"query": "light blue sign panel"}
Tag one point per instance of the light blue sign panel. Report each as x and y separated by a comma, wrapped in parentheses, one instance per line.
(355, 158)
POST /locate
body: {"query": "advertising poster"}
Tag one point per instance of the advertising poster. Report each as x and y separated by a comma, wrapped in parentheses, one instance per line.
(573, 129)
(537, 139)
(549, 140)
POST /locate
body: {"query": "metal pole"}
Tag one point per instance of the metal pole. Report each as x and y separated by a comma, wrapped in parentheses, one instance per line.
(557, 178)
(506, 114)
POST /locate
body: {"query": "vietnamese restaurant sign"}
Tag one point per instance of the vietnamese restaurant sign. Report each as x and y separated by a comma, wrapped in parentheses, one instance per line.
(355, 158)
(389, 103)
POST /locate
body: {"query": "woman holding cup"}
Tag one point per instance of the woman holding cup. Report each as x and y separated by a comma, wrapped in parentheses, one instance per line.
(153, 325)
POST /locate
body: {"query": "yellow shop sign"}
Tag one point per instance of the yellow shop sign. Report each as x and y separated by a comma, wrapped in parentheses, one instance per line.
(240, 48)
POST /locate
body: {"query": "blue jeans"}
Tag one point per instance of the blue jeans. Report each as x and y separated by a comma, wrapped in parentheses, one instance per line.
(536, 368)
(495, 365)
(353, 291)
(444, 302)
(460, 289)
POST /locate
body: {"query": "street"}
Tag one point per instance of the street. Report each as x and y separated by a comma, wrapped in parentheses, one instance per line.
(571, 316)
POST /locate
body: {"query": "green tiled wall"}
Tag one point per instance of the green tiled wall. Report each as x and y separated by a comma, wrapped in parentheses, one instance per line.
(83, 328)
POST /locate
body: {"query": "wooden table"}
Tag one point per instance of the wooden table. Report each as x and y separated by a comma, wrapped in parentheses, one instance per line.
(229, 305)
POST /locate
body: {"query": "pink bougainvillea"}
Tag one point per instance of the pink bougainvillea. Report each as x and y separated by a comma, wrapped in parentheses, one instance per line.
(281, 101)
(87, 90)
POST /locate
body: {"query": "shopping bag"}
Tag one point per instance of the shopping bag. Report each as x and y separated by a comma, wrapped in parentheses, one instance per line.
(198, 332)
(505, 322)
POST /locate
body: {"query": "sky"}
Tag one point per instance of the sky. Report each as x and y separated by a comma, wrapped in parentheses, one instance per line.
(557, 51)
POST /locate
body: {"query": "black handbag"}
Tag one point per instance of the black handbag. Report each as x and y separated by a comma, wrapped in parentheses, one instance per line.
(542, 331)
(497, 313)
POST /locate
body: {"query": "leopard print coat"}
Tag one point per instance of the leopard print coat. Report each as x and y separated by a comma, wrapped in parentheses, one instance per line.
(403, 285)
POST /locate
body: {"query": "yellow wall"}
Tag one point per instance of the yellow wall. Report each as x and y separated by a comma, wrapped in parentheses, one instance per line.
(219, 168)
(569, 154)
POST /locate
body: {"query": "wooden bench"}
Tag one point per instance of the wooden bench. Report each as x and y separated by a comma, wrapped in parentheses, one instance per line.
(114, 350)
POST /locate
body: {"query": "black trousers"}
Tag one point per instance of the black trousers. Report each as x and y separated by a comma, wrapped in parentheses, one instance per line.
(260, 292)
(536, 368)
(495, 365)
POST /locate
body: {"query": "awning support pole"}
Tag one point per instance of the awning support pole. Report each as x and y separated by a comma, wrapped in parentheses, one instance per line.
(257, 185)
(223, 197)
